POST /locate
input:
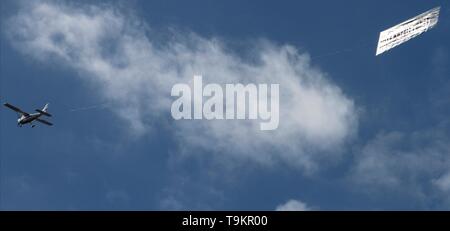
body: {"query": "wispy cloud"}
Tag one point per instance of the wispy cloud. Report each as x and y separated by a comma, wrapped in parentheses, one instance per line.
(293, 205)
(443, 182)
(135, 70)
(411, 164)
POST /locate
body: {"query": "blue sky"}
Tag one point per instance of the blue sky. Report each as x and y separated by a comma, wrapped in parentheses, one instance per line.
(388, 148)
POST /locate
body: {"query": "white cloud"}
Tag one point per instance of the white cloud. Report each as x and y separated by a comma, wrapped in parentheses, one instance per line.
(135, 71)
(412, 164)
(170, 203)
(407, 163)
(443, 182)
(293, 205)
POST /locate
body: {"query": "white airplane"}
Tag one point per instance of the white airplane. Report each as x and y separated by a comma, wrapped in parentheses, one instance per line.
(25, 118)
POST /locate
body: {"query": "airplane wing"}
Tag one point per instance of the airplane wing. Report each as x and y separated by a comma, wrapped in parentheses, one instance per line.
(44, 112)
(44, 122)
(16, 109)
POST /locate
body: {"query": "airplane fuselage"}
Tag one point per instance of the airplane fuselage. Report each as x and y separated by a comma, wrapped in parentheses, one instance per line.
(28, 119)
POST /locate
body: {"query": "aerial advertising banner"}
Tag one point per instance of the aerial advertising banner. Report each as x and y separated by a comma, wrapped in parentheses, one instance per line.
(407, 30)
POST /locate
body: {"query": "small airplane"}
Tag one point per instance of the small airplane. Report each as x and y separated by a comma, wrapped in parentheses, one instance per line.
(25, 118)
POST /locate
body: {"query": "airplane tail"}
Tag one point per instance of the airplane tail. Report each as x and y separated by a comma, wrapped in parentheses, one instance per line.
(45, 108)
(44, 111)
